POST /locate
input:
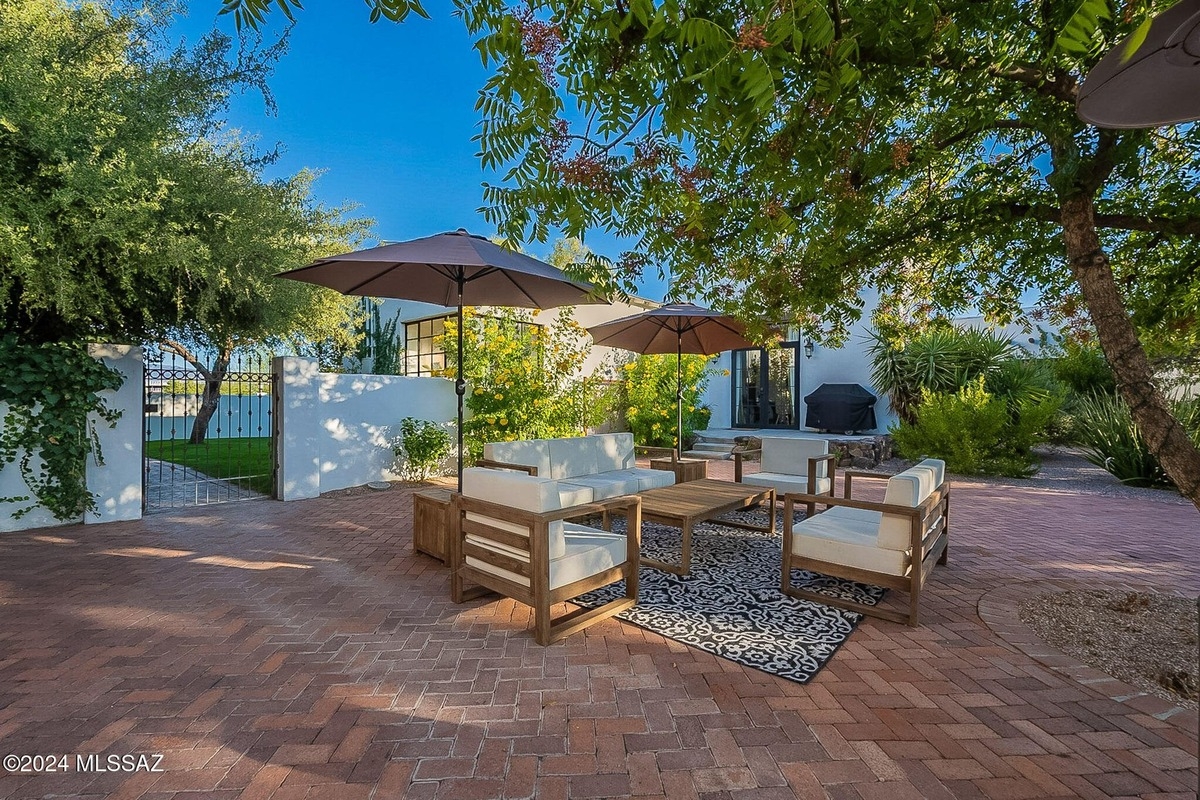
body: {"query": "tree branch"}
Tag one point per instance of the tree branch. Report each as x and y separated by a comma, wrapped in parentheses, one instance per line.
(1185, 226)
(1095, 174)
(966, 133)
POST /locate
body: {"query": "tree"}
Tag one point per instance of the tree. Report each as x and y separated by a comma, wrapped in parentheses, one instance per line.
(244, 231)
(98, 124)
(786, 155)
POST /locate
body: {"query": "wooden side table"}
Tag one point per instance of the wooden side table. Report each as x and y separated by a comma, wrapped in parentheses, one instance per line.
(685, 469)
(431, 522)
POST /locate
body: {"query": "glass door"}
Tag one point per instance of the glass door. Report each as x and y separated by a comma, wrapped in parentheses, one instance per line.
(764, 388)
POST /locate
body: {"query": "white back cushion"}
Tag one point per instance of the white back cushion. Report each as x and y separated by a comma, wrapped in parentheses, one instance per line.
(516, 490)
(572, 457)
(530, 452)
(614, 451)
(910, 488)
(790, 456)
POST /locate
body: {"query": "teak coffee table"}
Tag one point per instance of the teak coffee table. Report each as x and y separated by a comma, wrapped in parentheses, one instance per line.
(684, 504)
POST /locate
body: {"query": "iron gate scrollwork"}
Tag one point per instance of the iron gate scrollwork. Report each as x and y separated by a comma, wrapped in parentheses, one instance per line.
(207, 438)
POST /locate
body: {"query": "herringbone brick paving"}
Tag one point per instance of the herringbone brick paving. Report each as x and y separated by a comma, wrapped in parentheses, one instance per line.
(301, 650)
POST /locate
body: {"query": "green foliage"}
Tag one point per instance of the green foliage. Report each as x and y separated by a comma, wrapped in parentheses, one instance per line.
(523, 379)
(128, 211)
(940, 360)
(1111, 438)
(381, 344)
(421, 448)
(252, 13)
(51, 389)
(648, 395)
(974, 431)
(1082, 368)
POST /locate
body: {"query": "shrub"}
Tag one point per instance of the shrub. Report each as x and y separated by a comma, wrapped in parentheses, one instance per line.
(1111, 439)
(524, 380)
(976, 432)
(421, 448)
(1082, 368)
(648, 388)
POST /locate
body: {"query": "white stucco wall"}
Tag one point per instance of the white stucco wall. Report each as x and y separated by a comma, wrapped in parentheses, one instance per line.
(334, 429)
(117, 483)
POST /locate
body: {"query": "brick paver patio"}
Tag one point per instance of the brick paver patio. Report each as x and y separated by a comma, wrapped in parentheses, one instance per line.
(301, 650)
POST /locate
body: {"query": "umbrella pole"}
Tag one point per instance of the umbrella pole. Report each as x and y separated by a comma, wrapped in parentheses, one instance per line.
(460, 385)
(679, 398)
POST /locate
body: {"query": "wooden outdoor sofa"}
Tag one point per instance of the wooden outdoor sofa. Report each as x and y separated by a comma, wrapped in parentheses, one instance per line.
(894, 543)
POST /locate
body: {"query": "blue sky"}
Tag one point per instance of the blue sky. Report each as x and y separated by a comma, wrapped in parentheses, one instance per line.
(386, 111)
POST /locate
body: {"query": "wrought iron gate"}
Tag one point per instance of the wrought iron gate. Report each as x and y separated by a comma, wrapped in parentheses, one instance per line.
(187, 462)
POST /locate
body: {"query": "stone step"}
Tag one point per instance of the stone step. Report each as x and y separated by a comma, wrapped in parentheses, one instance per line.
(711, 455)
(715, 447)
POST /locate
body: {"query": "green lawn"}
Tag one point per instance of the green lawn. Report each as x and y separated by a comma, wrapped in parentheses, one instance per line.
(222, 458)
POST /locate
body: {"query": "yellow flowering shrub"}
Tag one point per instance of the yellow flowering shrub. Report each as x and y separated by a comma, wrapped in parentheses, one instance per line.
(648, 395)
(524, 378)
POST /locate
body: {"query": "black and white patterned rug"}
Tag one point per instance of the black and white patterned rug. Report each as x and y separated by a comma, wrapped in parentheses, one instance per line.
(731, 605)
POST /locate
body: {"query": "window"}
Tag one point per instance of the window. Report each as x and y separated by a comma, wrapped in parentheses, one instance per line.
(423, 353)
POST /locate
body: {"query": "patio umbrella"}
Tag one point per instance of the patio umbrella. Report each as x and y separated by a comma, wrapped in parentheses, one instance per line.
(451, 269)
(674, 328)
(1154, 82)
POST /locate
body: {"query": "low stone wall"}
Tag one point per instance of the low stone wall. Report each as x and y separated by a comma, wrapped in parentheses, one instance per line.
(859, 452)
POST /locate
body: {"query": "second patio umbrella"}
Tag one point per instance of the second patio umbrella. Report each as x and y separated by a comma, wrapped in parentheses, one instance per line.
(674, 328)
(451, 269)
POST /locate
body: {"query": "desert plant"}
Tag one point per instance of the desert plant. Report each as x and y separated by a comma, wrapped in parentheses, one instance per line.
(420, 448)
(940, 360)
(1111, 438)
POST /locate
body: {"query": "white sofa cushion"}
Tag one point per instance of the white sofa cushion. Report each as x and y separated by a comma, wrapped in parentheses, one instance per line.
(646, 478)
(607, 484)
(785, 483)
(588, 551)
(516, 490)
(789, 456)
(572, 457)
(909, 488)
(529, 453)
(574, 494)
(615, 451)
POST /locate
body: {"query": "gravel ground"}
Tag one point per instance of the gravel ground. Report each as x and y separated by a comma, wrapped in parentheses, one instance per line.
(1145, 639)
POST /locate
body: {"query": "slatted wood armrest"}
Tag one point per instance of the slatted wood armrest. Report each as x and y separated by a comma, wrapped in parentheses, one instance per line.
(490, 464)
(738, 455)
(792, 498)
(849, 475)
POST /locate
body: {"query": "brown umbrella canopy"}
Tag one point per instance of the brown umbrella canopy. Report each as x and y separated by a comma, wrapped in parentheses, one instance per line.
(1158, 83)
(674, 328)
(431, 270)
(451, 269)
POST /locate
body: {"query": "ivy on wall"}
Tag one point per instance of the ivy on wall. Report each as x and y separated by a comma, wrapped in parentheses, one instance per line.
(51, 389)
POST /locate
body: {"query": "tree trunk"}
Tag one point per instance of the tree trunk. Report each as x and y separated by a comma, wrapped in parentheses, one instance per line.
(210, 400)
(1165, 437)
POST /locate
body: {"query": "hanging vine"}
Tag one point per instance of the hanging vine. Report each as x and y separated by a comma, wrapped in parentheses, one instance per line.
(50, 391)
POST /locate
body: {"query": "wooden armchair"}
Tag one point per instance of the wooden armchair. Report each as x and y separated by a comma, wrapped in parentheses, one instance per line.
(894, 543)
(790, 464)
(509, 533)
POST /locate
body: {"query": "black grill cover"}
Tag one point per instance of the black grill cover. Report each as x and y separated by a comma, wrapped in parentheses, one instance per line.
(840, 407)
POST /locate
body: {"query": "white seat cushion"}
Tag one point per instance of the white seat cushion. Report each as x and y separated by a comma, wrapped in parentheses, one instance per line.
(608, 484)
(789, 456)
(848, 542)
(784, 483)
(588, 552)
(646, 478)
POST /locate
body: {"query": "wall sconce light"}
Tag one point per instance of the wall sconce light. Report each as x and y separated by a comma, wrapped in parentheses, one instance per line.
(808, 348)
